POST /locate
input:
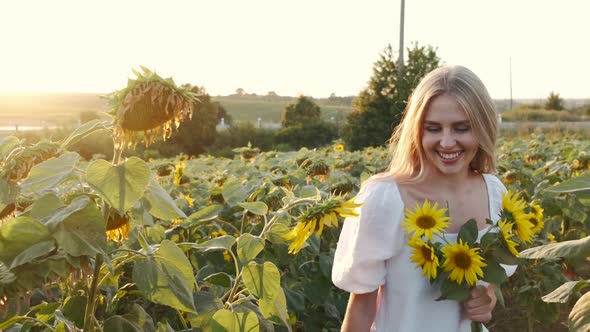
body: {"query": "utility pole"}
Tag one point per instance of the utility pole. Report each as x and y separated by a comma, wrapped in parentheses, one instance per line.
(400, 64)
(510, 67)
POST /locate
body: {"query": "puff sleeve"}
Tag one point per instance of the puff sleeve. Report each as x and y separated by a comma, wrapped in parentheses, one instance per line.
(366, 242)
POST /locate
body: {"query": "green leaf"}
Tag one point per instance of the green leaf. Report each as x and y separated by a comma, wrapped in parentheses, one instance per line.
(249, 246)
(83, 131)
(19, 234)
(10, 322)
(7, 144)
(9, 190)
(233, 192)
(73, 309)
(579, 318)
(276, 311)
(562, 293)
(262, 280)
(208, 213)
(468, 232)
(494, 273)
(219, 243)
(220, 278)
(45, 205)
(580, 183)
(569, 249)
(277, 233)
(136, 320)
(121, 185)
(166, 278)
(207, 304)
(258, 208)
(227, 321)
(161, 204)
(82, 231)
(65, 323)
(450, 290)
(45, 311)
(503, 256)
(50, 173)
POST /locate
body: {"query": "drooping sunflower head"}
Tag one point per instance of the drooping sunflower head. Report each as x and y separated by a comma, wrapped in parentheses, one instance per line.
(463, 262)
(118, 227)
(425, 220)
(506, 231)
(316, 218)
(148, 108)
(424, 255)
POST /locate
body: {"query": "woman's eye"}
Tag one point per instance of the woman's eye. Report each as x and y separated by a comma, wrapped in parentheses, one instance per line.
(432, 129)
(462, 129)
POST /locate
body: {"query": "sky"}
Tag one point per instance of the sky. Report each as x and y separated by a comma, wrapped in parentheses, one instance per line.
(310, 47)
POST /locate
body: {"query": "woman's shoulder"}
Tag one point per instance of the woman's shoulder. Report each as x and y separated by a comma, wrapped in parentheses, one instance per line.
(494, 181)
(380, 182)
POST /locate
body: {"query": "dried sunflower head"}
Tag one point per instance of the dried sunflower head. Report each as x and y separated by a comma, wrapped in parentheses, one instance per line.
(148, 108)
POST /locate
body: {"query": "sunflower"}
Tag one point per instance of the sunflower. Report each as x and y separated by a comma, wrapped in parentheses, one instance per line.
(315, 218)
(506, 231)
(536, 217)
(118, 227)
(463, 262)
(513, 211)
(339, 147)
(425, 220)
(425, 257)
(148, 108)
(187, 198)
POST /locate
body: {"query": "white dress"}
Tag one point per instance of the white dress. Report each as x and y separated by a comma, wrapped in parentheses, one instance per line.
(372, 251)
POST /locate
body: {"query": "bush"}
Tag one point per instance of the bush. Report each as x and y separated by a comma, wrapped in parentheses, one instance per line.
(310, 135)
(525, 113)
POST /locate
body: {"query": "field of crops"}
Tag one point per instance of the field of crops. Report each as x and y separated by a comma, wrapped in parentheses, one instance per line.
(212, 244)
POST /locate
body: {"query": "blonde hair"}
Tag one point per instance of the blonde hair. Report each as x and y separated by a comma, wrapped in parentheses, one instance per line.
(407, 163)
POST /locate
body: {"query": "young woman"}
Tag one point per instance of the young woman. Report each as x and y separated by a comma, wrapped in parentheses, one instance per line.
(443, 151)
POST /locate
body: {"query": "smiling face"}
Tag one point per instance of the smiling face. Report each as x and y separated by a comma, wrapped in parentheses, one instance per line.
(448, 140)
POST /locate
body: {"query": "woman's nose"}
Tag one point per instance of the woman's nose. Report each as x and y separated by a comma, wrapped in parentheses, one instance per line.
(447, 141)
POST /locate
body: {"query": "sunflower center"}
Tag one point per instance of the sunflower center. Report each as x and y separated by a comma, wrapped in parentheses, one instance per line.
(427, 254)
(425, 222)
(534, 221)
(463, 261)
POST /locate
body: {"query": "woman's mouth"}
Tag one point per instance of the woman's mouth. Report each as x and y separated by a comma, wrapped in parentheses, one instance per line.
(450, 157)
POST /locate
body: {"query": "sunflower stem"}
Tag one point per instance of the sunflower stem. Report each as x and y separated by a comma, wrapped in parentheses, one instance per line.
(91, 301)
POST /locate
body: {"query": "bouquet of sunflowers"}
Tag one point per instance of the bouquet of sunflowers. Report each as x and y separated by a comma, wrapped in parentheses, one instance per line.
(458, 266)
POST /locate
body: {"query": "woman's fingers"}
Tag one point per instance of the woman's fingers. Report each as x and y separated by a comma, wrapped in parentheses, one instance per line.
(480, 304)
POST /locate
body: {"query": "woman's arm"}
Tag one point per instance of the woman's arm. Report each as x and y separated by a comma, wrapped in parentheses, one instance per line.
(360, 312)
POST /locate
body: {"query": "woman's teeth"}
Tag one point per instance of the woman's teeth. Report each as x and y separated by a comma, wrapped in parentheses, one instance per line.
(449, 156)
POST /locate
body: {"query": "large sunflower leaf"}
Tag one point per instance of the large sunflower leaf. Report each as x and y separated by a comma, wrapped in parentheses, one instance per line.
(161, 204)
(276, 311)
(579, 318)
(166, 277)
(580, 183)
(262, 280)
(50, 173)
(45, 206)
(570, 249)
(562, 293)
(227, 321)
(120, 185)
(233, 192)
(23, 239)
(249, 246)
(82, 231)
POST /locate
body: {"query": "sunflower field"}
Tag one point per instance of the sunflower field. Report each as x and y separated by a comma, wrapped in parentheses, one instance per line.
(242, 244)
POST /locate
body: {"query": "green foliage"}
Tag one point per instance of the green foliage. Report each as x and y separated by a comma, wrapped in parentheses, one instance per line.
(301, 112)
(379, 107)
(526, 113)
(310, 135)
(554, 102)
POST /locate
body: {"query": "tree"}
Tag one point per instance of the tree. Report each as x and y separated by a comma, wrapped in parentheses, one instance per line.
(240, 92)
(554, 102)
(194, 135)
(379, 107)
(303, 110)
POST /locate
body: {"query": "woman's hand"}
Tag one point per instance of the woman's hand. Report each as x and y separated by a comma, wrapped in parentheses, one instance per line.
(480, 304)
